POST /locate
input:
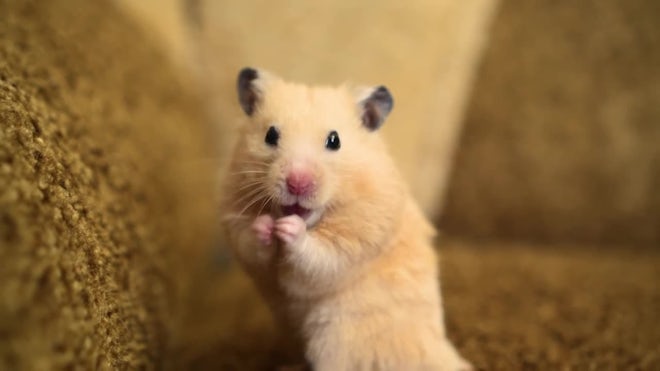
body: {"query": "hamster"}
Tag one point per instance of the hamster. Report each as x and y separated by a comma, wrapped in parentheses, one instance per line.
(319, 217)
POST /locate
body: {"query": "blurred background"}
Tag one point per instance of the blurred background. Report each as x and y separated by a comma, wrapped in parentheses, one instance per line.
(529, 131)
(426, 52)
(526, 120)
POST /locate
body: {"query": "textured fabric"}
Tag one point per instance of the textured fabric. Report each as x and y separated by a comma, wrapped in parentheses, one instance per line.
(102, 190)
(561, 138)
(105, 206)
(508, 307)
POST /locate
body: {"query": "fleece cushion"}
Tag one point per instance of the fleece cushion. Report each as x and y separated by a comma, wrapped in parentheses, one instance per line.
(509, 306)
(104, 189)
(560, 141)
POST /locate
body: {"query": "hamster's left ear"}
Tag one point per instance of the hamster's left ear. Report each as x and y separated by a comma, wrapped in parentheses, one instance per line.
(249, 92)
(375, 104)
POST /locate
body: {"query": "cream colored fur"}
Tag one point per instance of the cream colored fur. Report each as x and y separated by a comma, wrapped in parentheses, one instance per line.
(426, 50)
(358, 282)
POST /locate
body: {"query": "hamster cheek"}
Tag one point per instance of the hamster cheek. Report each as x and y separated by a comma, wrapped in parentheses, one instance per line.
(291, 230)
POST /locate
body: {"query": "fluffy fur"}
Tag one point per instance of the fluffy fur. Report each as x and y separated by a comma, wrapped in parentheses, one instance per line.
(356, 279)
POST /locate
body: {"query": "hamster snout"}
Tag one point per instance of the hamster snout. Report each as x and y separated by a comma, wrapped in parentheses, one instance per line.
(300, 183)
(302, 190)
(301, 180)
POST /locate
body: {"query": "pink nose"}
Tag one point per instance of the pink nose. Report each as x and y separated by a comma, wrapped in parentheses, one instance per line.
(300, 183)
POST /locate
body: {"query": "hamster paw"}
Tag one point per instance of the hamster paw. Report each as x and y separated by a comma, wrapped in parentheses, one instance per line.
(263, 228)
(290, 229)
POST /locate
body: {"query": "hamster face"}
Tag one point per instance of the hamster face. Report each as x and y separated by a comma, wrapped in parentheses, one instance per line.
(302, 148)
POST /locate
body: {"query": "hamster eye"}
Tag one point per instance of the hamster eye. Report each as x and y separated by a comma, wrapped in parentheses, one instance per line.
(332, 141)
(272, 136)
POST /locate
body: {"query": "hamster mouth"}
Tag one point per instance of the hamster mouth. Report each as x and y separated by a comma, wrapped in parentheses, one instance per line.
(296, 209)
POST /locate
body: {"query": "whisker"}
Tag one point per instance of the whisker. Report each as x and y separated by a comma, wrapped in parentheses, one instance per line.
(234, 218)
(251, 184)
(253, 162)
(270, 197)
(252, 193)
(248, 172)
(257, 198)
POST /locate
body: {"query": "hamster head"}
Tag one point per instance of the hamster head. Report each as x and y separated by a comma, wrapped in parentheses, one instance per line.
(306, 150)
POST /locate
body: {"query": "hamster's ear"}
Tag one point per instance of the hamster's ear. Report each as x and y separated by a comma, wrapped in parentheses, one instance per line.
(375, 104)
(249, 93)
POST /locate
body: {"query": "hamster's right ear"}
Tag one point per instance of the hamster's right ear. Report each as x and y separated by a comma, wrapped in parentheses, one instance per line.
(249, 93)
(375, 104)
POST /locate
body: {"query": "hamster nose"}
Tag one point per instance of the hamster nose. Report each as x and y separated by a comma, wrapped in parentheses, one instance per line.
(300, 183)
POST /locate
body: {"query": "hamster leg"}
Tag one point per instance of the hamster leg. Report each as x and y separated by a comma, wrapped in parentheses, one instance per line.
(450, 360)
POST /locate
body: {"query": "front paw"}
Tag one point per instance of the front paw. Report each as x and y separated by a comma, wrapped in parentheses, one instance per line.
(263, 227)
(291, 230)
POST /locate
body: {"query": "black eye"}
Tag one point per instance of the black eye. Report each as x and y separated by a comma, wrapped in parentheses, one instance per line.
(332, 141)
(272, 136)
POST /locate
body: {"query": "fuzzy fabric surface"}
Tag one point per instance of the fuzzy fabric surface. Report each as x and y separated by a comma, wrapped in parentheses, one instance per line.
(508, 307)
(106, 213)
(560, 140)
(100, 197)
